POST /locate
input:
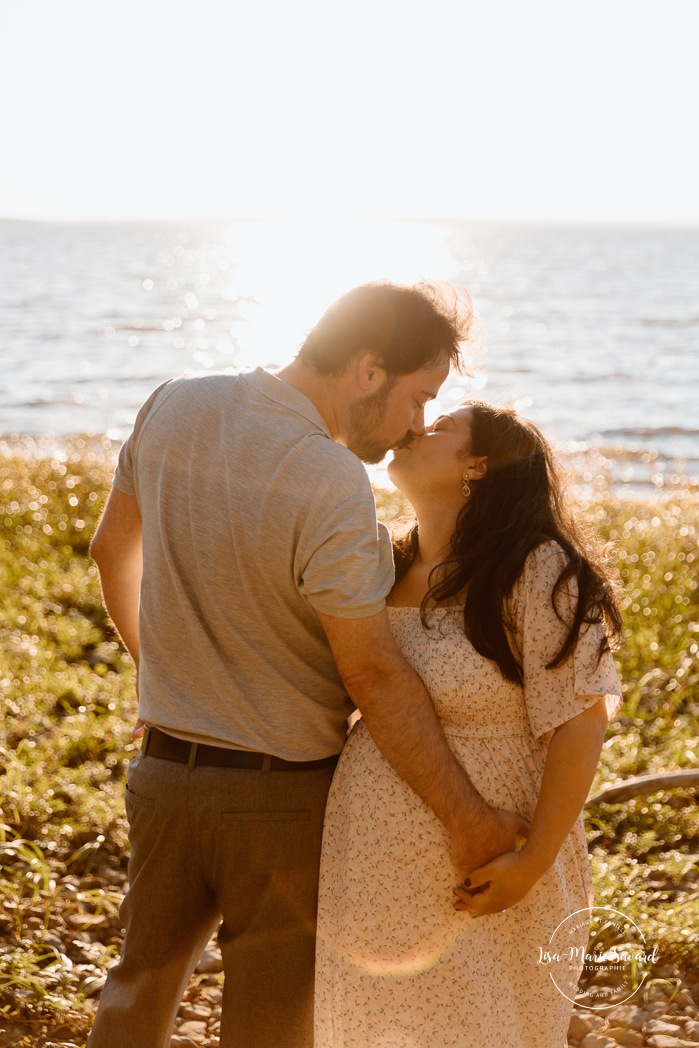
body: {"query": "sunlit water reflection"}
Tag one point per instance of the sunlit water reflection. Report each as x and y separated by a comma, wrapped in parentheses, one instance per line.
(592, 332)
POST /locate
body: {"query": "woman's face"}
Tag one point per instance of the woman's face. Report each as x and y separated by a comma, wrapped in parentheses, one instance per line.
(436, 461)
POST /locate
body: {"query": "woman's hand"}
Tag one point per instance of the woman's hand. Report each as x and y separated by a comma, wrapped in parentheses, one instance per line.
(570, 766)
(497, 885)
(496, 833)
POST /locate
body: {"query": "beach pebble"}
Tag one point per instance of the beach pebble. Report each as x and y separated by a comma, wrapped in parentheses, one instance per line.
(665, 971)
(193, 1028)
(584, 1023)
(194, 1011)
(597, 1040)
(183, 1042)
(628, 1038)
(660, 1026)
(578, 1028)
(210, 961)
(691, 1030)
(629, 1015)
(663, 1040)
(657, 1007)
(658, 993)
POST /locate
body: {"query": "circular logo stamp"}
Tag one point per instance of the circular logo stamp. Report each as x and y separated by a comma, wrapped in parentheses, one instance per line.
(597, 957)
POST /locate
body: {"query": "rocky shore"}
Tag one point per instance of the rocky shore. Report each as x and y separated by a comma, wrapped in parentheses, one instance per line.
(664, 1013)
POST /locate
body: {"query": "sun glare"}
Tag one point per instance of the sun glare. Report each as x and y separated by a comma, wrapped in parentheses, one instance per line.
(287, 274)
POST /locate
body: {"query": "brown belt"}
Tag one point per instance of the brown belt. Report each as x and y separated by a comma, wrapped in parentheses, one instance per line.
(157, 743)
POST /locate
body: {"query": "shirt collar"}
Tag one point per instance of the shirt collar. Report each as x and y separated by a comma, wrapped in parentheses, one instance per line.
(281, 392)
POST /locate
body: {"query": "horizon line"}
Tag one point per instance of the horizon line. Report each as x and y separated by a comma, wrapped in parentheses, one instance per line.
(348, 219)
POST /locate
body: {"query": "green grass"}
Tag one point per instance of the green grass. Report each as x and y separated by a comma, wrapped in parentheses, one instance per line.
(69, 703)
(645, 852)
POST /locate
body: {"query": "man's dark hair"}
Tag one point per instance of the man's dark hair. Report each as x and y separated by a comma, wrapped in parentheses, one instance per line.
(407, 328)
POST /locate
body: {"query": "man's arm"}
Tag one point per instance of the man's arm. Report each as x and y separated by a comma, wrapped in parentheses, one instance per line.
(399, 714)
(117, 548)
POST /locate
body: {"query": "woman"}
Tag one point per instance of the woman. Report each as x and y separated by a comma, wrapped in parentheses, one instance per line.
(501, 606)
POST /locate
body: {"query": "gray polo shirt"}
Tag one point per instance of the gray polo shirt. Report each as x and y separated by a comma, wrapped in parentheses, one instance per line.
(253, 518)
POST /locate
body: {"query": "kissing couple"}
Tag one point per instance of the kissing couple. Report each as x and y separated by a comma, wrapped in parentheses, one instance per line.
(243, 566)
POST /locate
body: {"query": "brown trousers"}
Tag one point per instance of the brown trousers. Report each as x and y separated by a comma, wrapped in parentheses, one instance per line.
(212, 843)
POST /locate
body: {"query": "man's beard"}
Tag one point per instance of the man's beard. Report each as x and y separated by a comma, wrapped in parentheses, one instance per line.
(364, 424)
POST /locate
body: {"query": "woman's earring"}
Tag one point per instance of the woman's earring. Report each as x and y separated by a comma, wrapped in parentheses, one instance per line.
(466, 487)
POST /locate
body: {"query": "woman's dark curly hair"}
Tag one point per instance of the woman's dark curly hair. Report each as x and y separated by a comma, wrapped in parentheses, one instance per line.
(515, 507)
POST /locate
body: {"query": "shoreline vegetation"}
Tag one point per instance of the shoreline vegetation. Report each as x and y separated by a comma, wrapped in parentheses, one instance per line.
(68, 701)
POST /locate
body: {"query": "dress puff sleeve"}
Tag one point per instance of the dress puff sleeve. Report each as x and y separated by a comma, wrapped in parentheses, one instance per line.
(554, 696)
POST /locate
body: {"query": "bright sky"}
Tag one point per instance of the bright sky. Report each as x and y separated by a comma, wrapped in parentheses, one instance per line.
(501, 109)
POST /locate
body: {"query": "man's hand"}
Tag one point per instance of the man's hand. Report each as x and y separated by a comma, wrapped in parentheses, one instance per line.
(496, 886)
(493, 835)
(138, 729)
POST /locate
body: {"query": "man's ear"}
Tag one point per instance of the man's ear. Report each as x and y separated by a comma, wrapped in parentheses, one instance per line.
(370, 373)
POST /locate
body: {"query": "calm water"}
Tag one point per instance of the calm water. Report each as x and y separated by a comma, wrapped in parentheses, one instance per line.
(593, 332)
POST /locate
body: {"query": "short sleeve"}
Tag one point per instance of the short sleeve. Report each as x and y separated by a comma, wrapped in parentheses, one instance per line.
(554, 696)
(345, 558)
(124, 474)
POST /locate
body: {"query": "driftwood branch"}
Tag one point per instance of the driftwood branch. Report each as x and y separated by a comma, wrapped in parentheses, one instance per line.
(645, 784)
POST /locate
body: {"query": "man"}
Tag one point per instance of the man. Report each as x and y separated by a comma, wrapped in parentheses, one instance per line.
(243, 519)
